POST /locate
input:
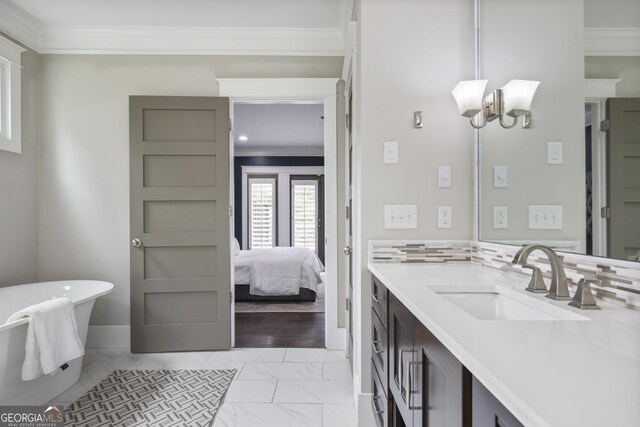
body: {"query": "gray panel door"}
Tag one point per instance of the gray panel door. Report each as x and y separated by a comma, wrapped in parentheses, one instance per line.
(623, 145)
(180, 255)
(350, 186)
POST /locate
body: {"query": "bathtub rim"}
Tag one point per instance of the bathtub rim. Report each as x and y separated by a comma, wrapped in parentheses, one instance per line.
(25, 320)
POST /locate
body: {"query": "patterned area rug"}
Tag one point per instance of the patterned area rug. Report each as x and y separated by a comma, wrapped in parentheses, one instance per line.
(286, 307)
(152, 398)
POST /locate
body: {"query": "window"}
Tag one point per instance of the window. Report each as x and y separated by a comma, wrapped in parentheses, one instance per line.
(304, 214)
(10, 109)
(262, 212)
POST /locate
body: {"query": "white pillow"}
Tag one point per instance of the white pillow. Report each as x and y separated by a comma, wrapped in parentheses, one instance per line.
(237, 245)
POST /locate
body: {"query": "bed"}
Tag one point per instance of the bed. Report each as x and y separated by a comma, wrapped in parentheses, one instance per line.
(277, 274)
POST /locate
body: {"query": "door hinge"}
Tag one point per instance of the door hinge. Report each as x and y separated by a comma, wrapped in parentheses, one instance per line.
(605, 212)
(230, 297)
(347, 211)
(347, 121)
(605, 125)
(230, 211)
(230, 125)
(347, 302)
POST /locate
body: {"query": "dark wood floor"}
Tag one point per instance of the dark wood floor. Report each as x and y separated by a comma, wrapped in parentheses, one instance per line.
(302, 330)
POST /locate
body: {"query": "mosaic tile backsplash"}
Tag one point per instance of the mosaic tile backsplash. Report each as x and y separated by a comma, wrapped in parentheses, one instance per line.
(619, 280)
(405, 251)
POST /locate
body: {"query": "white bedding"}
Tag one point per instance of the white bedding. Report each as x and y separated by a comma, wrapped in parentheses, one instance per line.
(278, 271)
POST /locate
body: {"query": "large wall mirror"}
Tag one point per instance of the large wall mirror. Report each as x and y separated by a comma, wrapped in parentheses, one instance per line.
(564, 182)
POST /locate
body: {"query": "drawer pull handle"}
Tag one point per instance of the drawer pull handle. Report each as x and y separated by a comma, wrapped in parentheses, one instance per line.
(410, 392)
(400, 368)
(376, 408)
(375, 348)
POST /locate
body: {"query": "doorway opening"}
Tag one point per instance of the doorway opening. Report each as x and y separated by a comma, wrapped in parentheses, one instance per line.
(279, 224)
(595, 178)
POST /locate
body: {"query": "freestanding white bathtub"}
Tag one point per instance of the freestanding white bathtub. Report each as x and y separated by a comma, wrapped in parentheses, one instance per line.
(14, 391)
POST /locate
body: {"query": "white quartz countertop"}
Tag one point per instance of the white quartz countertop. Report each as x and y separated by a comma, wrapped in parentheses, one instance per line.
(547, 373)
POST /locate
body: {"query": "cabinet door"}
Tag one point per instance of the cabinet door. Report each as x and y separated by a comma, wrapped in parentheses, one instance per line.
(436, 379)
(488, 411)
(400, 356)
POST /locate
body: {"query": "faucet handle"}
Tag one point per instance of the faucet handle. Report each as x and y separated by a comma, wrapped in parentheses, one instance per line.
(583, 298)
(536, 285)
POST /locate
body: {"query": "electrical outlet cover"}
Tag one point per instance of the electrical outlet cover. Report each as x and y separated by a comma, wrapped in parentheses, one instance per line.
(445, 217)
(500, 217)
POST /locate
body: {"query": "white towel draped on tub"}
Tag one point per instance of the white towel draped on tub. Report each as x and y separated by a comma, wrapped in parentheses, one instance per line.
(52, 337)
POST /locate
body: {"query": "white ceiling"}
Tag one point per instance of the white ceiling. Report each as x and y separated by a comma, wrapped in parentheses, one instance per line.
(190, 13)
(285, 129)
(180, 27)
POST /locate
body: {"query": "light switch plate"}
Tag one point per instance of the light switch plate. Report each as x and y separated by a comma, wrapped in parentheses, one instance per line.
(545, 217)
(554, 153)
(445, 216)
(500, 217)
(400, 216)
(391, 152)
(444, 176)
(500, 176)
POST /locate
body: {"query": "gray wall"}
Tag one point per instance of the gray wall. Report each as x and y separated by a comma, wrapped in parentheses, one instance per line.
(611, 13)
(19, 189)
(625, 68)
(84, 179)
(411, 54)
(541, 40)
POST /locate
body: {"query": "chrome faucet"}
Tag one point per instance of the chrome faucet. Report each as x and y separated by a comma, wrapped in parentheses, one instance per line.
(558, 290)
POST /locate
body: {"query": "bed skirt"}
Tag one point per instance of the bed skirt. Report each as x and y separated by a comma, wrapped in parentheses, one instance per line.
(242, 294)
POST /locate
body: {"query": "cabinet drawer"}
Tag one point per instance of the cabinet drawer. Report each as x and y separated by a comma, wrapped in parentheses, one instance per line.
(380, 301)
(380, 349)
(380, 402)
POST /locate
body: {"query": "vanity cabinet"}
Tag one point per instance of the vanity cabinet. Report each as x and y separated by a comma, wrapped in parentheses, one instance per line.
(417, 381)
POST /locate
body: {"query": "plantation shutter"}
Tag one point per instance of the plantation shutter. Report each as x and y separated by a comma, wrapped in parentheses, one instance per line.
(305, 214)
(262, 213)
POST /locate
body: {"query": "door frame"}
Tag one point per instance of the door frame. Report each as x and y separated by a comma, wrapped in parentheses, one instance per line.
(320, 90)
(599, 171)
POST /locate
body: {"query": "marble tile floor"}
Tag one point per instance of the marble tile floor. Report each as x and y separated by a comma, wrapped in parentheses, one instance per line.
(272, 387)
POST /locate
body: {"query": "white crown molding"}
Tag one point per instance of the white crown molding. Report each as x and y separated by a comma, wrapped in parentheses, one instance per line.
(19, 25)
(612, 41)
(192, 41)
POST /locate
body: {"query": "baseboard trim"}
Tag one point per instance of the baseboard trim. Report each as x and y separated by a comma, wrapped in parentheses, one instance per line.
(101, 336)
(335, 339)
(364, 410)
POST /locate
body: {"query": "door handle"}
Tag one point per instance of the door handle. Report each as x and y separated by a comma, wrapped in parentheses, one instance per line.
(136, 243)
(347, 250)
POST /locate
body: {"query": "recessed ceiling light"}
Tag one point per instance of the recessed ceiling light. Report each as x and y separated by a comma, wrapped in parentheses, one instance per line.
(243, 138)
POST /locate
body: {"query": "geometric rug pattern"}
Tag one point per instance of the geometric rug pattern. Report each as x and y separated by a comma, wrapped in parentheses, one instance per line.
(152, 398)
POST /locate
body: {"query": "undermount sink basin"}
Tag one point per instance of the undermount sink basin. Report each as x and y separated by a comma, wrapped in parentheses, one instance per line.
(499, 303)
